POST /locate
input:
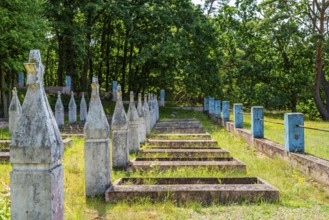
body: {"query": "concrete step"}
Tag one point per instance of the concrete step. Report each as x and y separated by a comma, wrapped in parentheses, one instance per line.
(223, 164)
(185, 153)
(171, 143)
(201, 190)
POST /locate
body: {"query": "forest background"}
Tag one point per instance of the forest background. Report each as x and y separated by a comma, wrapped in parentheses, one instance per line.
(272, 53)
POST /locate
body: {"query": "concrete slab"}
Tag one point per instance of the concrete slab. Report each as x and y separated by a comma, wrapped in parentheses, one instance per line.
(186, 130)
(175, 124)
(203, 136)
(4, 152)
(203, 190)
(171, 143)
(224, 164)
(183, 153)
(4, 155)
(178, 119)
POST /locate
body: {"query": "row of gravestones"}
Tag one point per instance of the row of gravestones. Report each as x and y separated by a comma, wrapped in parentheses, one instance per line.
(15, 109)
(36, 148)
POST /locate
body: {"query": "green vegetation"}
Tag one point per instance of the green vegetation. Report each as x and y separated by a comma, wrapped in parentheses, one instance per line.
(300, 196)
(253, 52)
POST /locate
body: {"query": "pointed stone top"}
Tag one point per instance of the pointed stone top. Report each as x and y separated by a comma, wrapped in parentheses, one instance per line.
(140, 106)
(119, 119)
(36, 131)
(72, 103)
(82, 94)
(58, 94)
(132, 111)
(96, 126)
(72, 93)
(14, 91)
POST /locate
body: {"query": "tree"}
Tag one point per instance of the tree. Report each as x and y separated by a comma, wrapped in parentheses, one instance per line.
(23, 27)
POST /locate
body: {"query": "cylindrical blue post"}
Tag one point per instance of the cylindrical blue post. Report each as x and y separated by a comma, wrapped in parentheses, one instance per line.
(226, 110)
(217, 108)
(205, 104)
(257, 123)
(238, 115)
(211, 105)
(294, 135)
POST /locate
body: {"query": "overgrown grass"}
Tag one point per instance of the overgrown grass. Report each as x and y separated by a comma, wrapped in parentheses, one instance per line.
(301, 196)
(316, 142)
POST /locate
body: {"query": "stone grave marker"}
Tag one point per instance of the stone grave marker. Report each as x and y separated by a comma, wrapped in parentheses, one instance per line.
(15, 110)
(120, 151)
(36, 179)
(97, 146)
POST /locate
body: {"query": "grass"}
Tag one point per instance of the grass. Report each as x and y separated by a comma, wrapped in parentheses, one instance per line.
(316, 142)
(301, 197)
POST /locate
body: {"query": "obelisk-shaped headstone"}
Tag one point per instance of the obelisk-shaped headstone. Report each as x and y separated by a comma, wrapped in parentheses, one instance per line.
(151, 110)
(36, 179)
(97, 146)
(15, 110)
(59, 110)
(72, 110)
(120, 151)
(142, 129)
(147, 115)
(133, 125)
(83, 108)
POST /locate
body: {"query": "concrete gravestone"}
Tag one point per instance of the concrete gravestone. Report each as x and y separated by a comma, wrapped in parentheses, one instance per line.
(133, 125)
(97, 146)
(72, 110)
(142, 129)
(147, 115)
(15, 110)
(59, 111)
(36, 179)
(120, 151)
(83, 108)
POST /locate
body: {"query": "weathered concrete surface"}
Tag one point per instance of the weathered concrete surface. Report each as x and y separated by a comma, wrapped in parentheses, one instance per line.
(120, 150)
(223, 164)
(67, 142)
(83, 108)
(177, 123)
(72, 110)
(311, 165)
(185, 152)
(4, 155)
(179, 120)
(179, 130)
(142, 126)
(59, 111)
(15, 110)
(147, 116)
(133, 125)
(202, 190)
(36, 179)
(202, 136)
(170, 143)
(97, 146)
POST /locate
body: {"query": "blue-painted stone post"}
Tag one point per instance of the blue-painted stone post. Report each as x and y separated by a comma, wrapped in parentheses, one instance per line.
(257, 123)
(162, 98)
(238, 115)
(217, 108)
(226, 110)
(294, 135)
(20, 80)
(114, 90)
(205, 104)
(210, 104)
(68, 84)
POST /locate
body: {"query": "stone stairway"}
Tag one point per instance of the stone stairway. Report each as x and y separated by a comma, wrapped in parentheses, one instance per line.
(183, 142)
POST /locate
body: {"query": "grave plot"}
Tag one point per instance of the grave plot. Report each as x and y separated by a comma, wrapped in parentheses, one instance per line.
(179, 125)
(202, 190)
(166, 153)
(200, 136)
(4, 148)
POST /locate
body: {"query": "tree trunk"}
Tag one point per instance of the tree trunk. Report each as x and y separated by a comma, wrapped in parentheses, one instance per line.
(4, 97)
(124, 63)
